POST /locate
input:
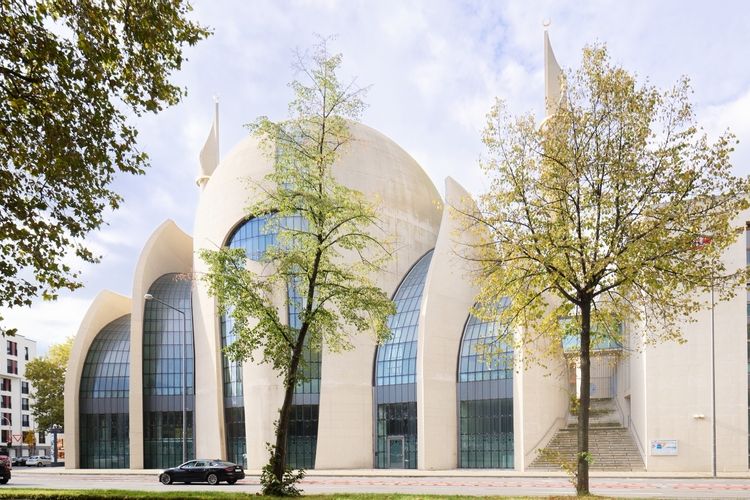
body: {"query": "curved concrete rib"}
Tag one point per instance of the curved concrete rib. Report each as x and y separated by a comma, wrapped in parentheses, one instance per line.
(448, 296)
(168, 250)
(106, 307)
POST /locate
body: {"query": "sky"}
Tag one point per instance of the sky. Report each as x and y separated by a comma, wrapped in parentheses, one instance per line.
(434, 67)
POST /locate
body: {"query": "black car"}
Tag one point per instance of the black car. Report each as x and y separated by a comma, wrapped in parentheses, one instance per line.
(198, 471)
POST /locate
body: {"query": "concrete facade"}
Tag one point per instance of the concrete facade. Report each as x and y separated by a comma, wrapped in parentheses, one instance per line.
(662, 392)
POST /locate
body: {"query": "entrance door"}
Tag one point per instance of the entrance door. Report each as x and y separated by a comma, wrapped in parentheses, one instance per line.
(395, 452)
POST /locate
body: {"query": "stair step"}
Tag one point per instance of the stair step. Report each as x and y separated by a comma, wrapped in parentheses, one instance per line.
(610, 444)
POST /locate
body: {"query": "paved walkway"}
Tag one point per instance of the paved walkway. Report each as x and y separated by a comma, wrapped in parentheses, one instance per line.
(499, 473)
(414, 482)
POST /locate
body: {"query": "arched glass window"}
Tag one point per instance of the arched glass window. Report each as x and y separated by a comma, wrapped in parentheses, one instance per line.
(167, 337)
(395, 376)
(103, 399)
(485, 397)
(255, 236)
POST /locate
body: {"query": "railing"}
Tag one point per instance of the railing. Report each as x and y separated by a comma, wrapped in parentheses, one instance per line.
(631, 426)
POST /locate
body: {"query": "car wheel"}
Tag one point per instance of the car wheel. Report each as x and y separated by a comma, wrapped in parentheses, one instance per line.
(231, 481)
(165, 479)
(40, 464)
(212, 479)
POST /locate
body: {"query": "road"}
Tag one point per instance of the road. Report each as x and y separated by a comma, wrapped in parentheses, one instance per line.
(541, 486)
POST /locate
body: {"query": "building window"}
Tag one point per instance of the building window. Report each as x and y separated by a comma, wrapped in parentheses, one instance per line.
(162, 438)
(485, 424)
(26, 353)
(25, 420)
(104, 390)
(5, 402)
(5, 437)
(395, 376)
(13, 367)
(12, 348)
(24, 387)
(253, 237)
(6, 418)
(5, 385)
(25, 404)
(42, 438)
(163, 371)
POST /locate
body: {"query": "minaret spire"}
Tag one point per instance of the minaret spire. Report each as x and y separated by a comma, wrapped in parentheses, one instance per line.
(209, 155)
(552, 77)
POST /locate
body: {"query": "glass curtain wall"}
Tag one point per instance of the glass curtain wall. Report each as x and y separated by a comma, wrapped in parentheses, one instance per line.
(395, 391)
(255, 238)
(485, 398)
(163, 376)
(103, 399)
(747, 260)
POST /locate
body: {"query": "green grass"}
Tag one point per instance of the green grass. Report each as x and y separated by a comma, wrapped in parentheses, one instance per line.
(50, 494)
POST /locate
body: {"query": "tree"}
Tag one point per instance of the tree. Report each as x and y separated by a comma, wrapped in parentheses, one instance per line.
(616, 209)
(29, 439)
(47, 377)
(326, 260)
(70, 74)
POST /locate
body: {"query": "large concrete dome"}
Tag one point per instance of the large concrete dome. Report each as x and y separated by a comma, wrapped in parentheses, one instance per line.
(372, 163)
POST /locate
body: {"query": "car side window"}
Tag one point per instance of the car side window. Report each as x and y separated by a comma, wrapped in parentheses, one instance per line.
(200, 464)
(188, 465)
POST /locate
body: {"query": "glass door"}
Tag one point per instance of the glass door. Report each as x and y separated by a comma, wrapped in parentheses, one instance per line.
(396, 452)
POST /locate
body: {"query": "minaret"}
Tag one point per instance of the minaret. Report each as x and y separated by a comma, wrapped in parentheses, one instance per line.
(209, 155)
(552, 77)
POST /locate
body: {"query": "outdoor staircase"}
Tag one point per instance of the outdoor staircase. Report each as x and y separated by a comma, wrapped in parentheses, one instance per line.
(610, 444)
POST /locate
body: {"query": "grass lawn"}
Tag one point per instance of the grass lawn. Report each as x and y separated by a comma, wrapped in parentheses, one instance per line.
(49, 494)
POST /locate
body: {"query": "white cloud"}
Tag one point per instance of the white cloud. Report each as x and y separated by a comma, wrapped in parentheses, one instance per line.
(435, 67)
(48, 322)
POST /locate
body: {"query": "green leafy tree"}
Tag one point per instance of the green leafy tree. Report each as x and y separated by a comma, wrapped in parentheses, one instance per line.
(47, 377)
(327, 260)
(70, 74)
(617, 209)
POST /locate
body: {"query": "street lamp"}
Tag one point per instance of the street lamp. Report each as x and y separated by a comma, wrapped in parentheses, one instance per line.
(148, 296)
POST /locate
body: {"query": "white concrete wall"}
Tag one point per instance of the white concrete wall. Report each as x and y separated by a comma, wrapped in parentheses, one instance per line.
(671, 386)
(106, 307)
(168, 250)
(410, 210)
(540, 404)
(449, 294)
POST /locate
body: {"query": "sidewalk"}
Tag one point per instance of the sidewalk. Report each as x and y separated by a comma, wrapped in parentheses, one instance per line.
(492, 473)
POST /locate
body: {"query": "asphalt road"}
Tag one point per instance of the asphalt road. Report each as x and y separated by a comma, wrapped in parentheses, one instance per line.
(531, 486)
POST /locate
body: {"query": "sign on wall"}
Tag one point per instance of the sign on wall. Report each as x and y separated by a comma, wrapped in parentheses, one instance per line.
(664, 447)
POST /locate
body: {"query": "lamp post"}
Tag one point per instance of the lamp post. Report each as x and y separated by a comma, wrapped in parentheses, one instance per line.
(148, 296)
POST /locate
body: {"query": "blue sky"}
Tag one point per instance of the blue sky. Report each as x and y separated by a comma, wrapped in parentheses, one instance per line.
(435, 67)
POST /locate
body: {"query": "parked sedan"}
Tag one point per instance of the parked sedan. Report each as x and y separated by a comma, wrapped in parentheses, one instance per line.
(199, 471)
(38, 461)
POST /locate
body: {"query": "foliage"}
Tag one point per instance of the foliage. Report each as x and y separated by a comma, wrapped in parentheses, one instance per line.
(327, 260)
(70, 74)
(284, 487)
(617, 209)
(29, 439)
(47, 378)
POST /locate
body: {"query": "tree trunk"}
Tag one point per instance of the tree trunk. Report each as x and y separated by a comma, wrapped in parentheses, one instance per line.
(282, 428)
(582, 483)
